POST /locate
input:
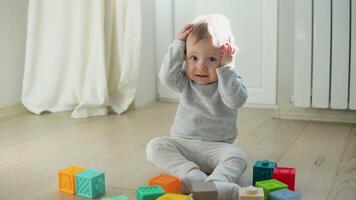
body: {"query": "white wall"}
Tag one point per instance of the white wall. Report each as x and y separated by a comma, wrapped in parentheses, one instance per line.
(13, 20)
(146, 91)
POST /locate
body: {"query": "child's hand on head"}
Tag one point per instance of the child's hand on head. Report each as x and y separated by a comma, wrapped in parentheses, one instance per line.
(183, 34)
(227, 54)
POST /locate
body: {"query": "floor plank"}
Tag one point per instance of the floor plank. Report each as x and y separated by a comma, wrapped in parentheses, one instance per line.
(316, 155)
(344, 184)
(269, 142)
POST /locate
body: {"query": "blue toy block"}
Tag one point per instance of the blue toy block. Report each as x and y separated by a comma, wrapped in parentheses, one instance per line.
(149, 192)
(90, 183)
(284, 194)
(263, 170)
(120, 197)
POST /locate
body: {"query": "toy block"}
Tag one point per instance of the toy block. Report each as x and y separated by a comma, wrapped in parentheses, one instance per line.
(120, 197)
(270, 186)
(66, 179)
(284, 194)
(90, 183)
(171, 196)
(251, 193)
(149, 192)
(204, 191)
(263, 170)
(285, 175)
(169, 184)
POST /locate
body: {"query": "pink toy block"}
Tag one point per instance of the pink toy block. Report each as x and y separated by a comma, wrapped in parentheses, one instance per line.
(285, 175)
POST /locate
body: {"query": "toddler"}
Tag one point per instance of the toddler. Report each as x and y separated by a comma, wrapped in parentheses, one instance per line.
(200, 65)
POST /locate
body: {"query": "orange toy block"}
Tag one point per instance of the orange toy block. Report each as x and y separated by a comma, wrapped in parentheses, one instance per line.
(66, 179)
(170, 184)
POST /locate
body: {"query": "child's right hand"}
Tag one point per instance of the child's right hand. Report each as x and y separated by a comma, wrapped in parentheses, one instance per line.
(183, 34)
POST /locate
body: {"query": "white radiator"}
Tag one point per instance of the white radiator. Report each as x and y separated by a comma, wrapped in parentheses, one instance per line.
(325, 54)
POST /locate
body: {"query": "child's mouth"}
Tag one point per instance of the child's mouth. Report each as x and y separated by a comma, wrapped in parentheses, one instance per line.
(201, 76)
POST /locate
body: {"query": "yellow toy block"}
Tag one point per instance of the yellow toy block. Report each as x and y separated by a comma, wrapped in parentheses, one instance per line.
(171, 196)
(66, 179)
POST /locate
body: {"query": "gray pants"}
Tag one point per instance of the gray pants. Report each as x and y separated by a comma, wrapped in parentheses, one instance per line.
(177, 156)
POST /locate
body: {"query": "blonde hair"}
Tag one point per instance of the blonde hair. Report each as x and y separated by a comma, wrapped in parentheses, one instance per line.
(216, 26)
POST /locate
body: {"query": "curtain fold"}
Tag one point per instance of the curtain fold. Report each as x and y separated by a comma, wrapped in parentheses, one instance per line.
(81, 55)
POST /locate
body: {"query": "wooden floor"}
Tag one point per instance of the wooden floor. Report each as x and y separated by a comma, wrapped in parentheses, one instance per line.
(33, 148)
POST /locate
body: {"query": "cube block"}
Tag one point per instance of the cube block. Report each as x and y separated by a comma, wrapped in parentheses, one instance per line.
(204, 191)
(285, 175)
(66, 179)
(90, 183)
(270, 186)
(263, 170)
(251, 193)
(149, 192)
(169, 184)
(120, 197)
(284, 194)
(171, 196)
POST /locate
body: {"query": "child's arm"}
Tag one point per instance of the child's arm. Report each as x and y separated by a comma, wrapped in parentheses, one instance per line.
(171, 73)
(233, 92)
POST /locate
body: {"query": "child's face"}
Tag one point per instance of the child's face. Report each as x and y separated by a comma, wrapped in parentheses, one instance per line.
(202, 59)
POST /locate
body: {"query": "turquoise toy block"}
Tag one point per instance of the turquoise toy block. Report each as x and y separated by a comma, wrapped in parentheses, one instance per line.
(90, 183)
(284, 194)
(263, 170)
(120, 197)
(149, 192)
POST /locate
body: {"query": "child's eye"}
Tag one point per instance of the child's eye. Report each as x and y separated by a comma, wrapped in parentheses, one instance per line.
(194, 58)
(212, 59)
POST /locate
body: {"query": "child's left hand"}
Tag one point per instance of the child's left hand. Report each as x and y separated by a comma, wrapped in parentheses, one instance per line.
(227, 54)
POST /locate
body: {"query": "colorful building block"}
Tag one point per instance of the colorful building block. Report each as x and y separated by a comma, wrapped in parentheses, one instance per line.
(169, 184)
(270, 186)
(171, 196)
(284, 194)
(149, 192)
(90, 183)
(251, 193)
(120, 197)
(66, 179)
(285, 175)
(204, 191)
(263, 170)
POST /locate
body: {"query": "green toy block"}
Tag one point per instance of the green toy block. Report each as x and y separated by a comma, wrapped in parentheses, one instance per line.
(120, 197)
(90, 183)
(270, 186)
(263, 170)
(149, 192)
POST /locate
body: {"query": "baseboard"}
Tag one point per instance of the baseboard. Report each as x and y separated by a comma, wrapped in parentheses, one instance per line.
(313, 114)
(12, 110)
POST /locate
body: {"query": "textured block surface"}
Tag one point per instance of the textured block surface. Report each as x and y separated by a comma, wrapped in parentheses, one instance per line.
(270, 186)
(169, 184)
(170, 196)
(204, 191)
(251, 193)
(285, 175)
(66, 179)
(120, 197)
(263, 170)
(284, 194)
(149, 192)
(90, 183)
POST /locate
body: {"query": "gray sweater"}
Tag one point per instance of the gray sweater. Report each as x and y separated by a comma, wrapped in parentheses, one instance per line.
(205, 112)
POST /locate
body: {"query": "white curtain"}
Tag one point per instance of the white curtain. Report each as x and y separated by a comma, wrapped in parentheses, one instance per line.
(82, 55)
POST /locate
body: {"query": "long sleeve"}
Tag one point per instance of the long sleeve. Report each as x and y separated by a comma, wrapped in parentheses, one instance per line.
(232, 91)
(171, 73)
